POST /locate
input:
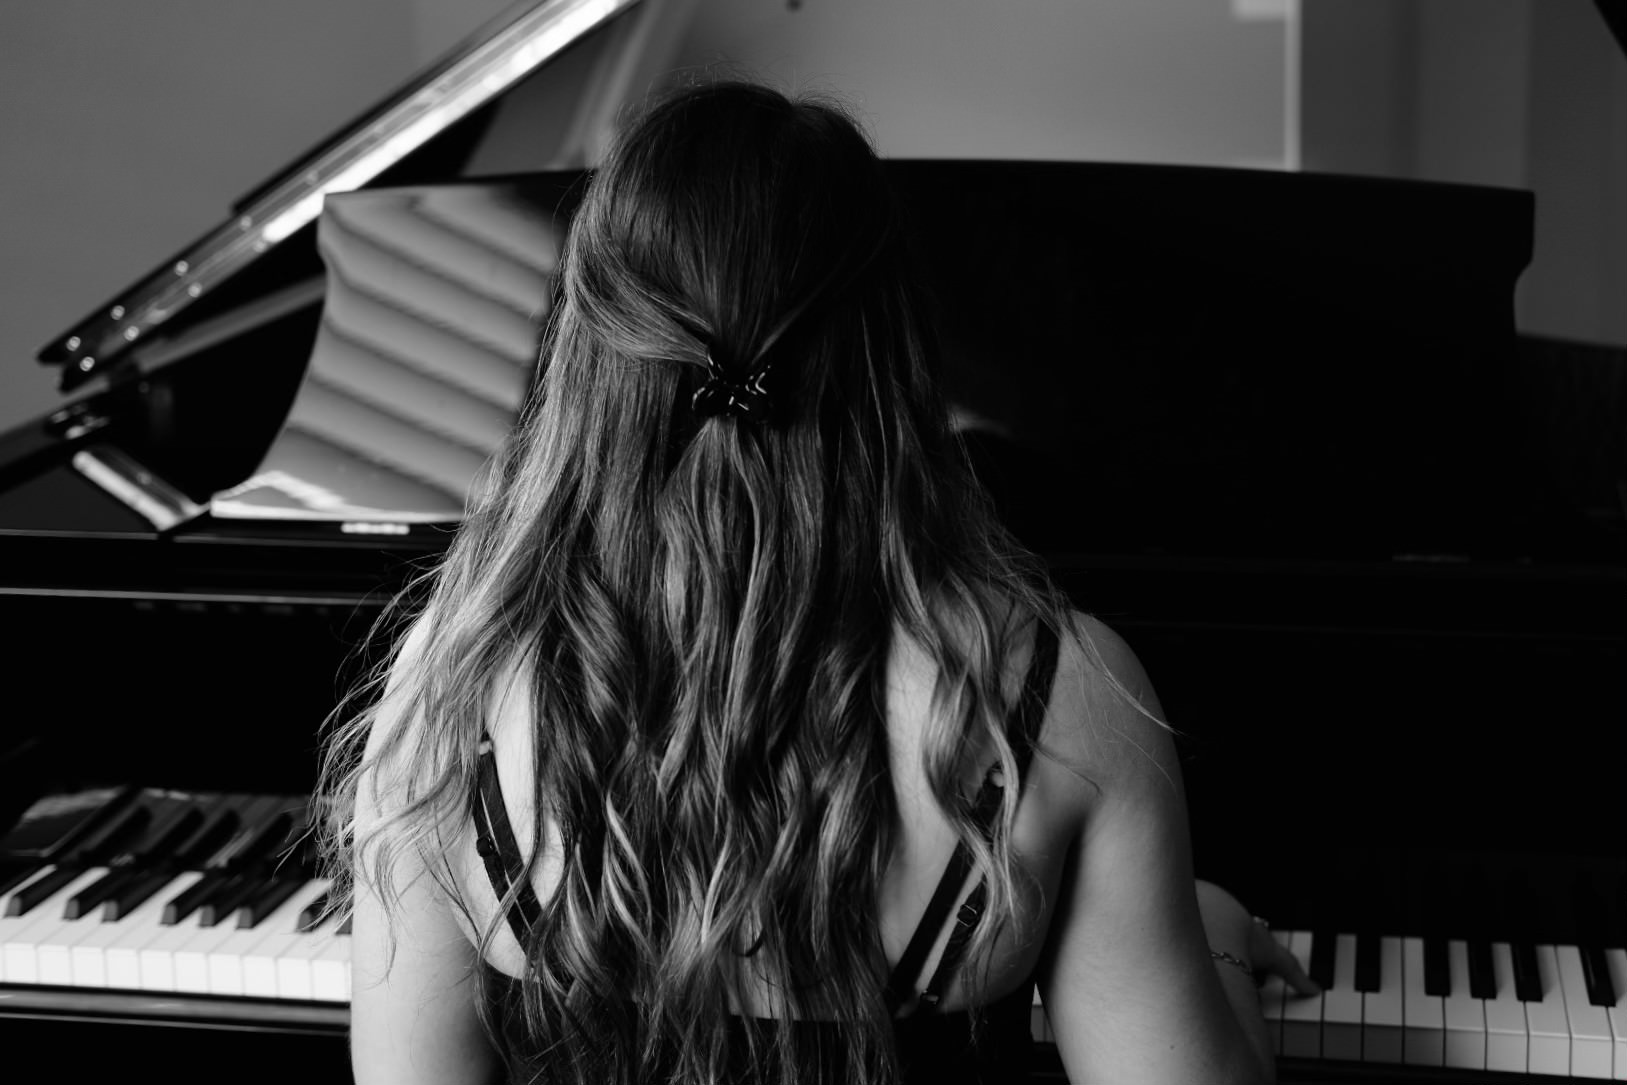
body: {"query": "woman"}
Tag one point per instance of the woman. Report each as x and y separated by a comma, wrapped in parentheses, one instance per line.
(732, 671)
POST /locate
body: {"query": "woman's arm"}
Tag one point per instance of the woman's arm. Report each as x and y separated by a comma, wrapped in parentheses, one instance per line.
(413, 974)
(1232, 930)
(1128, 981)
(412, 1009)
(1227, 925)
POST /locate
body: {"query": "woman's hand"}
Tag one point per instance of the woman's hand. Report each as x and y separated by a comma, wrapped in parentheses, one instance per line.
(1271, 958)
(1230, 926)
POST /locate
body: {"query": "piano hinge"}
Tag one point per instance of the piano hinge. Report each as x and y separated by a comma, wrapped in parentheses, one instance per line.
(149, 496)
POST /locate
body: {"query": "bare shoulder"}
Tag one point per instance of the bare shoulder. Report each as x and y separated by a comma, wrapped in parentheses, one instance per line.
(386, 759)
(1105, 722)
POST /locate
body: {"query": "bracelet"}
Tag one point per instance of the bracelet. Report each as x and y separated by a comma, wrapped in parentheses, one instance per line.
(1236, 961)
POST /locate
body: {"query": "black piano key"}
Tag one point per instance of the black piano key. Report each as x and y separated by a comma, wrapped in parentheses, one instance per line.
(1437, 970)
(314, 914)
(269, 899)
(1527, 980)
(194, 897)
(30, 896)
(157, 864)
(134, 892)
(1596, 976)
(1519, 919)
(344, 928)
(1472, 902)
(251, 866)
(82, 902)
(210, 891)
(1482, 976)
(1369, 976)
(241, 890)
(1321, 966)
(1441, 916)
(1592, 923)
(129, 867)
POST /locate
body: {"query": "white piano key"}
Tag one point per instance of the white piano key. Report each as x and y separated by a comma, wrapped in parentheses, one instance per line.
(107, 956)
(52, 941)
(1341, 1005)
(1382, 1011)
(156, 957)
(330, 971)
(1465, 1014)
(1545, 1021)
(192, 957)
(1424, 1042)
(12, 923)
(260, 961)
(1506, 1038)
(53, 950)
(1273, 994)
(1616, 961)
(1589, 1027)
(295, 971)
(227, 961)
(1302, 1017)
(20, 935)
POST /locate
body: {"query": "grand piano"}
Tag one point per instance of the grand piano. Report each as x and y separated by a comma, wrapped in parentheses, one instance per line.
(1279, 430)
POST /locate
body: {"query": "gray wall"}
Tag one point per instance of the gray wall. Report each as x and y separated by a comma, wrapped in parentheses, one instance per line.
(127, 129)
(1520, 93)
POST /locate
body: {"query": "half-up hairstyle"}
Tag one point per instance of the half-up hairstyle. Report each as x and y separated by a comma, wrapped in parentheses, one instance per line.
(701, 607)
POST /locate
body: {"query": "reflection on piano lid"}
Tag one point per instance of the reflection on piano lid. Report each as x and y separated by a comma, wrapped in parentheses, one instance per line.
(428, 338)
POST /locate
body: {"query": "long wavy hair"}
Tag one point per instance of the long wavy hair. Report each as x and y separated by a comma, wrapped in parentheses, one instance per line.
(701, 611)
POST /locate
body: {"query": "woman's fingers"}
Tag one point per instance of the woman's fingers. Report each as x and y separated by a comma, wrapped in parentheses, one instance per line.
(1286, 965)
(1273, 959)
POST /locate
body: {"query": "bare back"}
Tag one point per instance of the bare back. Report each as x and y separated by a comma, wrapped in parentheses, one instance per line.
(1050, 814)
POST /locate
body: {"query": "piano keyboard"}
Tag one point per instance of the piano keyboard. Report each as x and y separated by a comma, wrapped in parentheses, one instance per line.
(191, 900)
(1575, 1026)
(215, 909)
(1566, 1019)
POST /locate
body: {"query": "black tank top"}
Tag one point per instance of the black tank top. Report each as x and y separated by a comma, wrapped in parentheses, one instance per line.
(933, 1046)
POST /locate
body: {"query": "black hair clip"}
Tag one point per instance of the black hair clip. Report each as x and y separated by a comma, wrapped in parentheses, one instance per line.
(745, 399)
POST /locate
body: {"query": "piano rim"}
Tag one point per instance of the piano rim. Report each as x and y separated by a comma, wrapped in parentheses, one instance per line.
(250, 1014)
(173, 1008)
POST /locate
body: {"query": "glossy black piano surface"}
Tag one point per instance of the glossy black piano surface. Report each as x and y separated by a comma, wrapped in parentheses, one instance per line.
(1276, 429)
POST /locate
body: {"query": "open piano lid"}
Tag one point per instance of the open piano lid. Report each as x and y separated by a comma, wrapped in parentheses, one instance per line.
(431, 305)
(422, 361)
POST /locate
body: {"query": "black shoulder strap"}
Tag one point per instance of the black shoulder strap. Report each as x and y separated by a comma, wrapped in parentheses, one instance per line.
(1024, 727)
(499, 851)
